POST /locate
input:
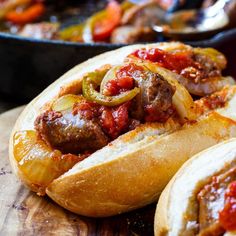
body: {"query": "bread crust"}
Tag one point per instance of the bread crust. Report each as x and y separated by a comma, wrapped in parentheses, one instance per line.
(171, 219)
(134, 179)
(131, 171)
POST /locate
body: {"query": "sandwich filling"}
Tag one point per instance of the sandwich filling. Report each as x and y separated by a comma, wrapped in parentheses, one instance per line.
(117, 100)
(217, 205)
(200, 69)
(91, 123)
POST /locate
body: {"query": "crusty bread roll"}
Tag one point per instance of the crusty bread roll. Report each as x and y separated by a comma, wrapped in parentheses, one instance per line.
(128, 175)
(131, 171)
(177, 209)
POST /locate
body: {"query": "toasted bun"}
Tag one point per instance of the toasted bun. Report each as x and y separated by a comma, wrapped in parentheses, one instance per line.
(131, 171)
(177, 205)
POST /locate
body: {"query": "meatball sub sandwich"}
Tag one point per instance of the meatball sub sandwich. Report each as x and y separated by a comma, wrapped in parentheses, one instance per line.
(108, 135)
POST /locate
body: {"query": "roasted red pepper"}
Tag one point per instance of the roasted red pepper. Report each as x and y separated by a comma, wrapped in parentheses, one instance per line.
(30, 14)
(104, 27)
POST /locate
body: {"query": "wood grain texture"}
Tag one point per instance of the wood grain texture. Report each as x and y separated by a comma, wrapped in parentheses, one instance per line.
(24, 213)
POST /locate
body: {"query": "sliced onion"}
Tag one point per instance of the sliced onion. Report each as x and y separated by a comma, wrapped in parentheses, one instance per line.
(110, 75)
(182, 100)
(38, 163)
(66, 102)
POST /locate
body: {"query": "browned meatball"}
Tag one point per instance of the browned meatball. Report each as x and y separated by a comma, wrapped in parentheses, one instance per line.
(154, 103)
(70, 133)
(211, 201)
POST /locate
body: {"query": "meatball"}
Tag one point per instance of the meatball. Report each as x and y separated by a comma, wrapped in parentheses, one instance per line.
(208, 68)
(211, 201)
(154, 103)
(70, 133)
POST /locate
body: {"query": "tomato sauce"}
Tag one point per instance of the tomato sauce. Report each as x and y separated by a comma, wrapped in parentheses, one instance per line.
(87, 109)
(227, 216)
(124, 80)
(175, 61)
(113, 120)
(153, 115)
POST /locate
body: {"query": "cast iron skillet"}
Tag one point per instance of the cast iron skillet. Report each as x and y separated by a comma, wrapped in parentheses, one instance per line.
(27, 66)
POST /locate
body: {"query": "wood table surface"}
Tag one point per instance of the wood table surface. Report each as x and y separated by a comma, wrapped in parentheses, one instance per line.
(24, 213)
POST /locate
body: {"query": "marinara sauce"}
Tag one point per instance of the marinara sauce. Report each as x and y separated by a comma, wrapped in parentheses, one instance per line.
(174, 61)
(113, 120)
(124, 80)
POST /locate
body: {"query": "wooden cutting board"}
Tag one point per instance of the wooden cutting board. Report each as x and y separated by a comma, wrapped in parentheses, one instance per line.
(24, 213)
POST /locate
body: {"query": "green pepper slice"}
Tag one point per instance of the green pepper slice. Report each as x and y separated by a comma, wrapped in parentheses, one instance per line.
(72, 33)
(93, 80)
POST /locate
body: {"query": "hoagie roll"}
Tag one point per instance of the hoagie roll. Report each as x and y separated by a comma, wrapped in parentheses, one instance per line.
(108, 135)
